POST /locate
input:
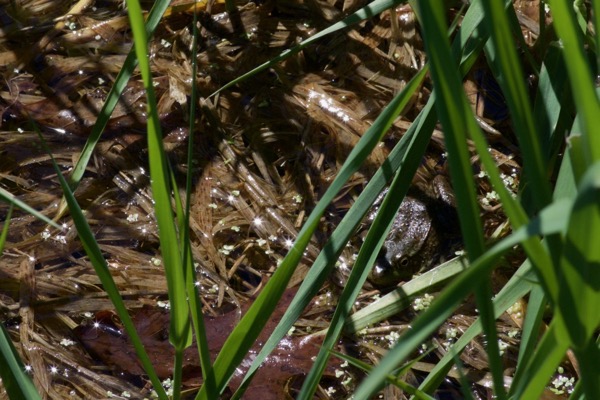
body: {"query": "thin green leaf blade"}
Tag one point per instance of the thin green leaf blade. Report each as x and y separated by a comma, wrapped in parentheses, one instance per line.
(580, 75)
(457, 119)
(548, 355)
(93, 251)
(15, 381)
(4, 233)
(579, 297)
(180, 327)
(9, 198)
(392, 378)
(505, 64)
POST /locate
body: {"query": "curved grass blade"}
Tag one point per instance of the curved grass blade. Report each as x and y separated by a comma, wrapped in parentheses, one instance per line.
(548, 355)
(4, 233)
(392, 378)
(179, 332)
(92, 249)
(580, 75)
(15, 381)
(11, 199)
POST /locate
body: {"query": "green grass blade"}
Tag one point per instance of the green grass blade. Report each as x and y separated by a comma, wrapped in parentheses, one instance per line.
(580, 76)
(596, 22)
(517, 287)
(451, 108)
(577, 392)
(179, 332)
(505, 64)
(190, 278)
(553, 107)
(549, 354)
(536, 307)
(457, 119)
(373, 242)
(580, 10)
(579, 295)
(4, 233)
(15, 381)
(587, 357)
(11, 199)
(92, 249)
(397, 300)
(200, 329)
(185, 251)
(392, 378)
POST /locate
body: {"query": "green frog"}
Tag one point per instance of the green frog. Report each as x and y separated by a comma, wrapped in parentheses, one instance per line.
(423, 232)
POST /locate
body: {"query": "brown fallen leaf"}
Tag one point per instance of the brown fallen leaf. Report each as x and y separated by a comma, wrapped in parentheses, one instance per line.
(106, 340)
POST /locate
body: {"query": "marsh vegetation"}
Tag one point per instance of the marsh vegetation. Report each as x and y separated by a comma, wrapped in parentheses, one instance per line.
(231, 183)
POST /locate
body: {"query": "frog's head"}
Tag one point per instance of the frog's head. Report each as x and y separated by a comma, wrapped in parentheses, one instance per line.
(405, 251)
(395, 264)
